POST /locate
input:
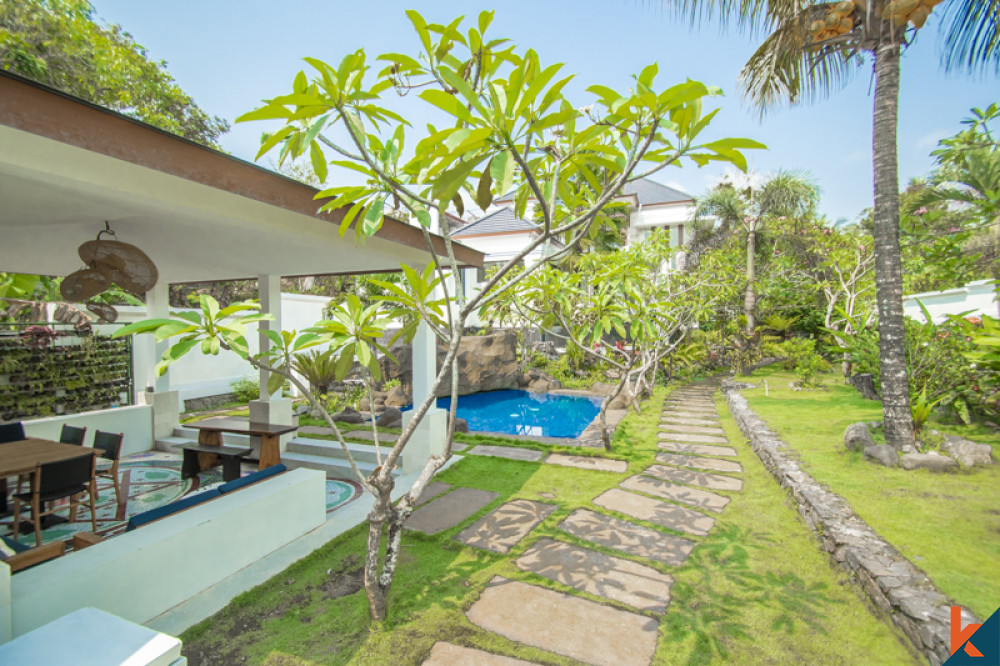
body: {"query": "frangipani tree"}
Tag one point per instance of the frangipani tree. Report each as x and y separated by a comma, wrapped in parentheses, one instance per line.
(506, 124)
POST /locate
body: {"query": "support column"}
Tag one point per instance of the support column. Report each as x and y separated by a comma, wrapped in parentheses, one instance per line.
(156, 391)
(269, 408)
(429, 437)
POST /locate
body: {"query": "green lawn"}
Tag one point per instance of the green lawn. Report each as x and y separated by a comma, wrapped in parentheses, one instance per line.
(757, 590)
(946, 524)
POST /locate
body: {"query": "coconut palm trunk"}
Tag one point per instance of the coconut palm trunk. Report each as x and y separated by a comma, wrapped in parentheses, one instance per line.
(888, 266)
(750, 296)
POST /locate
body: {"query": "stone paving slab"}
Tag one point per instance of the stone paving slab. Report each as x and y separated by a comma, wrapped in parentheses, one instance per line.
(504, 527)
(696, 497)
(432, 490)
(696, 449)
(383, 437)
(692, 438)
(702, 420)
(627, 537)
(693, 429)
(614, 578)
(578, 628)
(449, 510)
(697, 462)
(694, 478)
(689, 408)
(660, 513)
(587, 462)
(705, 405)
(510, 452)
(446, 654)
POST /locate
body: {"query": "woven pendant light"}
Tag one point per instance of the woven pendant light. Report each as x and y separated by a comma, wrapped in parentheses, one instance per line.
(107, 313)
(121, 263)
(83, 284)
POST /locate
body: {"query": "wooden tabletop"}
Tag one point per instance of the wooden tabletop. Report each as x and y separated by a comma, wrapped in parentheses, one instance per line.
(241, 426)
(24, 455)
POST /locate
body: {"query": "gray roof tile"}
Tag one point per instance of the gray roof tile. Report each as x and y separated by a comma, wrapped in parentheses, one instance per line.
(499, 221)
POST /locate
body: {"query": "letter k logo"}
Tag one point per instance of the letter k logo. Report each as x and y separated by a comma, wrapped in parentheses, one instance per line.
(959, 635)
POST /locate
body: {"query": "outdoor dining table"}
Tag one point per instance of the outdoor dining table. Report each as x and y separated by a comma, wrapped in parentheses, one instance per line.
(25, 455)
(210, 434)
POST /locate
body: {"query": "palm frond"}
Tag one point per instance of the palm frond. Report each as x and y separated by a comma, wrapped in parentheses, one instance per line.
(971, 30)
(784, 70)
(750, 14)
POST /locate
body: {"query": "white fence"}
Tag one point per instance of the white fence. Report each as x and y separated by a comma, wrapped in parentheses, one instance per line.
(979, 297)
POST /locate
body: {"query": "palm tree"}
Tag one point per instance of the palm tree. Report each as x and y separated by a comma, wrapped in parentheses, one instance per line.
(785, 194)
(809, 52)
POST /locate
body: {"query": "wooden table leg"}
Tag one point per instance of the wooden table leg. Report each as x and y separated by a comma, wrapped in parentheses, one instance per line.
(191, 465)
(270, 451)
(231, 467)
(208, 438)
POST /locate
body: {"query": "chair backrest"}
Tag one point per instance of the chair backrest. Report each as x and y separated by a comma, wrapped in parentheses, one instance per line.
(11, 432)
(66, 474)
(72, 435)
(110, 443)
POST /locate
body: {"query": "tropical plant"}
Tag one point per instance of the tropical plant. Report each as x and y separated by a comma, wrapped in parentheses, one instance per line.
(507, 126)
(58, 43)
(319, 368)
(245, 389)
(810, 51)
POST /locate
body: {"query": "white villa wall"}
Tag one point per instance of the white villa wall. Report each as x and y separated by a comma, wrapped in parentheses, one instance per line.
(978, 296)
(501, 247)
(136, 422)
(646, 218)
(141, 574)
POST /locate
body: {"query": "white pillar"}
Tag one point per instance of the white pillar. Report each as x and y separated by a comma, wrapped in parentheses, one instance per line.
(429, 437)
(270, 409)
(157, 306)
(269, 289)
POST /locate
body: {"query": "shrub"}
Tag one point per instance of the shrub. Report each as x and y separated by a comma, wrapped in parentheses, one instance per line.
(246, 389)
(318, 368)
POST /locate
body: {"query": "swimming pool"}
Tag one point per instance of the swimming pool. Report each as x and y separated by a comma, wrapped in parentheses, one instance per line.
(524, 413)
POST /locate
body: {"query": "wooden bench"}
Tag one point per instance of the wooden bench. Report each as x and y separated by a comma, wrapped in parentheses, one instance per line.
(231, 458)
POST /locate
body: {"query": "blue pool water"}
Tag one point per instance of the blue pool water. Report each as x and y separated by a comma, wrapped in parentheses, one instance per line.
(524, 413)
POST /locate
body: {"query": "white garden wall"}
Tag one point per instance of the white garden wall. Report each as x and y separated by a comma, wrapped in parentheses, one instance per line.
(978, 296)
(135, 422)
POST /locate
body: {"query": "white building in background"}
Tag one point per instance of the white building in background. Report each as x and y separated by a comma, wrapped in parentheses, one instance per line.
(978, 298)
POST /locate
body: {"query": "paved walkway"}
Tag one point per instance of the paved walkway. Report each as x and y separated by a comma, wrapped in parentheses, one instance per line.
(653, 520)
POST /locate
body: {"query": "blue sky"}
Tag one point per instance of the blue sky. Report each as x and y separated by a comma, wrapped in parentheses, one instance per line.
(230, 54)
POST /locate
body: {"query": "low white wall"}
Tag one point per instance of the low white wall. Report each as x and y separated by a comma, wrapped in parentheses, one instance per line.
(141, 574)
(136, 422)
(978, 296)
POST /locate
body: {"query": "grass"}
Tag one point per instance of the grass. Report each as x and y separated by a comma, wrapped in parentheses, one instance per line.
(946, 524)
(756, 590)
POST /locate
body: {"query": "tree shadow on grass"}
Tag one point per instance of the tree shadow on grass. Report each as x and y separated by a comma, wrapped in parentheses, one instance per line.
(721, 590)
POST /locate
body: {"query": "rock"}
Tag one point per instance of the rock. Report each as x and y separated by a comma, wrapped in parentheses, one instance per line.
(857, 437)
(600, 388)
(461, 425)
(968, 454)
(391, 418)
(622, 401)
(883, 453)
(349, 415)
(397, 397)
(364, 405)
(485, 363)
(865, 384)
(931, 461)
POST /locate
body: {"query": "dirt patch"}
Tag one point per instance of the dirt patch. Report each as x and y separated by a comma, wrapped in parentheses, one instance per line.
(347, 580)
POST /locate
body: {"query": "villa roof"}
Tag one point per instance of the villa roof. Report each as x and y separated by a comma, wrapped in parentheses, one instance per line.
(502, 221)
(67, 166)
(647, 192)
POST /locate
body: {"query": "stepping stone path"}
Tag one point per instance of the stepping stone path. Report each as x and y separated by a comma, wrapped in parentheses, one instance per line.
(602, 575)
(579, 628)
(674, 494)
(627, 537)
(505, 526)
(446, 654)
(713, 464)
(449, 510)
(432, 490)
(697, 449)
(587, 462)
(511, 452)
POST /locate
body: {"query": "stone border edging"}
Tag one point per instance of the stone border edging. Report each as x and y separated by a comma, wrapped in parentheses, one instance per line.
(890, 580)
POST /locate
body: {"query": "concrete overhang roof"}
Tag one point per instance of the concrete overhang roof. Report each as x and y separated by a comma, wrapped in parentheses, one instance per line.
(66, 166)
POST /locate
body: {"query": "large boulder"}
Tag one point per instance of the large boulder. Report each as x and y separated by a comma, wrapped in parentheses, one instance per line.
(621, 401)
(600, 388)
(349, 415)
(397, 397)
(537, 381)
(857, 437)
(461, 425)
(967, 453)
(932, 461)
(883, 454)
(485, 363)
(865, 383)
(391, 418)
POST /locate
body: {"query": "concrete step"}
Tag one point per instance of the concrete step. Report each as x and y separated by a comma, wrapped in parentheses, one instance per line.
(332, 449)
(173, 443)
(335, 468)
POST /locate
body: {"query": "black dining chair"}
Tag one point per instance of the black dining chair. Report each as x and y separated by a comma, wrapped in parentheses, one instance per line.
(11, 432)
(72, 435)
(56, 480)
(110, 445)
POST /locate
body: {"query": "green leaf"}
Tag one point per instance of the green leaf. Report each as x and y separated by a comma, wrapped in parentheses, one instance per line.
(146, 326)
(267, 112)
(344, 362)
(274, 382)
(178, 350)
(318, 161)
(484, 194)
